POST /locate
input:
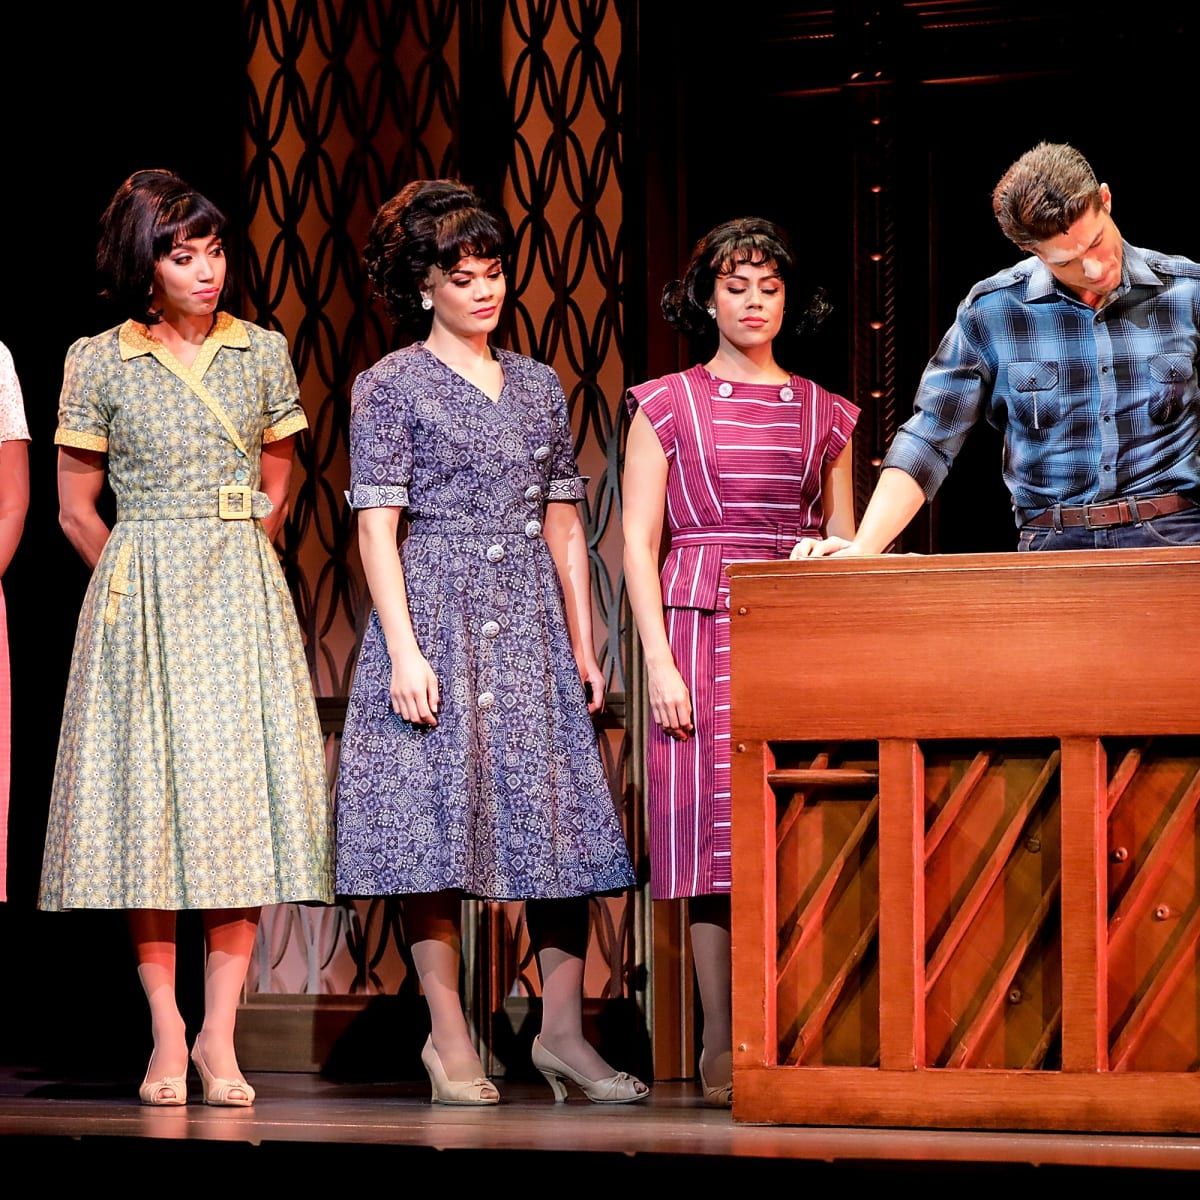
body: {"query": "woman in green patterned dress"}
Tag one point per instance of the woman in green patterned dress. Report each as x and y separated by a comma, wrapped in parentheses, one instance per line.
(190, 770)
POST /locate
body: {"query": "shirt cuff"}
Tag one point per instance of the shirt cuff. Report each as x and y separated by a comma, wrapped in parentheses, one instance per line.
(292, 424)
(908, 453)
(573, 489)
(372, 495)
(81, 441)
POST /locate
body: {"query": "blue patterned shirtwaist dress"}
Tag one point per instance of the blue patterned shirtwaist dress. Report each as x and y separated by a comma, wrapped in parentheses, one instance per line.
(506, 797)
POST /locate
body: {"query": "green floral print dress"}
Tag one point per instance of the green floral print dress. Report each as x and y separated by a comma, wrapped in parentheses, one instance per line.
(190, 770)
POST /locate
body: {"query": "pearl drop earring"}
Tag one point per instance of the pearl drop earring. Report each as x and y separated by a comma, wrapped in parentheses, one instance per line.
(426, 303)
(712, 312)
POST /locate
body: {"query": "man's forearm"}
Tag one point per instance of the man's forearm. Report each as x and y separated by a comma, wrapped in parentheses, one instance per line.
(896, 500)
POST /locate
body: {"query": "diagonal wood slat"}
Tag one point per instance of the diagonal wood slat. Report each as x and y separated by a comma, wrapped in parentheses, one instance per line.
(1138, 895)
(980, 1024)
(809, 921)
(804, 1042)
(989, 874)
(961, 794)
(1037, 1055)
(791, 814)
(1124, 774)
(1159, 989)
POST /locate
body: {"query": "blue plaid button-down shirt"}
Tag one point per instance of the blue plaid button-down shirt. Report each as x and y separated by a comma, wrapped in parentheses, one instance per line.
(1093, 404)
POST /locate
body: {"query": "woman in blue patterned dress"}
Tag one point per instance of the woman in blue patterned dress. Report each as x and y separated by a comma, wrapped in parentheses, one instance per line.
(469, 763)
(190, 771)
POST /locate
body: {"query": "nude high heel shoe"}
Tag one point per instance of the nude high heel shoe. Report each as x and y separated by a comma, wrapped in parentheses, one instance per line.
(160, 1093)
(219, 1091)
(455, 1091)
(716, 1097)
(621, 1088)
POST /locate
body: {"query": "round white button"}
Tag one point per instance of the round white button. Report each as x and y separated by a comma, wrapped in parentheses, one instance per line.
(533, 492)
(491, 629)
(495, 553)
(485, 700)
(532, 528)
(541, 454)
(785, 392)
(726, 389)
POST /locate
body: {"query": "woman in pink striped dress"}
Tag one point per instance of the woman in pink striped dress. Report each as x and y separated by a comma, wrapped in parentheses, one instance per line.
(742, 459)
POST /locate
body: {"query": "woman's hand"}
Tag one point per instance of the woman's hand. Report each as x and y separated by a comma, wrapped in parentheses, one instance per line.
(829, 547)
(414, 689)
(590, 673)
(670, 702)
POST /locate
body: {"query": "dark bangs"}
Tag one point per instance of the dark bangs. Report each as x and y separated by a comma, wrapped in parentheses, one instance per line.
(470, 233)
(183, 217)
(151, 212)
(755, 249)
(751, 240)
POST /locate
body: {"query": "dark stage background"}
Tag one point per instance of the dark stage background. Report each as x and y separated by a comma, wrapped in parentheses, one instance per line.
(793, 111)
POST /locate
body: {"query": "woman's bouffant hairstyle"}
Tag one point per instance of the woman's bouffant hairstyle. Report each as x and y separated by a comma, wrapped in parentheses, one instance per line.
(752, 240)
(429, 223)
(151, 212)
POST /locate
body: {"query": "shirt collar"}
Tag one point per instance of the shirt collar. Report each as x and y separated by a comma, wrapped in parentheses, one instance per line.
(134, 339)
(1135, 272)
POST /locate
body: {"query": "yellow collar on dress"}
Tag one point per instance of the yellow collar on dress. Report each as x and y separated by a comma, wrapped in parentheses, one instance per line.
(133, 338)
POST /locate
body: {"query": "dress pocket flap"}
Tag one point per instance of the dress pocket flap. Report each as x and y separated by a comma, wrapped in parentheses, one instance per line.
(691, 577)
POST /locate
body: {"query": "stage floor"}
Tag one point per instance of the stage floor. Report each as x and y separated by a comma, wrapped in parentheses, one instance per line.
(302, 1123)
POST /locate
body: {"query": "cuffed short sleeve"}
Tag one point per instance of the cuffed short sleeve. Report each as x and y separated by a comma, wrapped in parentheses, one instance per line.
(380, 444)
(565, 481)
(84, 412)
(281, 393)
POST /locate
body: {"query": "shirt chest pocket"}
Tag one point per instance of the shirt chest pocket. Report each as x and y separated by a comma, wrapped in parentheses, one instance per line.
(1033, 400)
(1172, 373)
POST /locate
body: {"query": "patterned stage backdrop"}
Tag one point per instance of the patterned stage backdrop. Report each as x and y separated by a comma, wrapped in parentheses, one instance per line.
(346, 103)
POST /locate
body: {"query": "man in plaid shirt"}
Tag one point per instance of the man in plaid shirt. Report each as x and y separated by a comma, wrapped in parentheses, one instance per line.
(1084, 356)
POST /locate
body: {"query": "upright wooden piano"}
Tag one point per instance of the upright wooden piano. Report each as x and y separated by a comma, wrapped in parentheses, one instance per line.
(965, 793)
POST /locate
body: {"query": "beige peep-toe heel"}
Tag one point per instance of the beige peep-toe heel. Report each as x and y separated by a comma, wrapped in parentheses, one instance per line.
(719, 1096)
(619, 1088)
(455, 1091)
(220, 1091)
(168, 1091)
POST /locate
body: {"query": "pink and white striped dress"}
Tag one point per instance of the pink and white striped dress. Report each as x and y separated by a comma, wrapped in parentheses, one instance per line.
(744, 482)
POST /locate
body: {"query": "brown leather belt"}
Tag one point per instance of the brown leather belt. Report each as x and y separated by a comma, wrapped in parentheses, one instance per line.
(1105, 515)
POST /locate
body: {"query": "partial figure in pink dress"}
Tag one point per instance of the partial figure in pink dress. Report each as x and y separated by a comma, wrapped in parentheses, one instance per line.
(14, 501)
(742, 459)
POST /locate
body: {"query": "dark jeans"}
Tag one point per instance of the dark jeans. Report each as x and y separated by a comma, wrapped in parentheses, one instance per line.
(1174, 529)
